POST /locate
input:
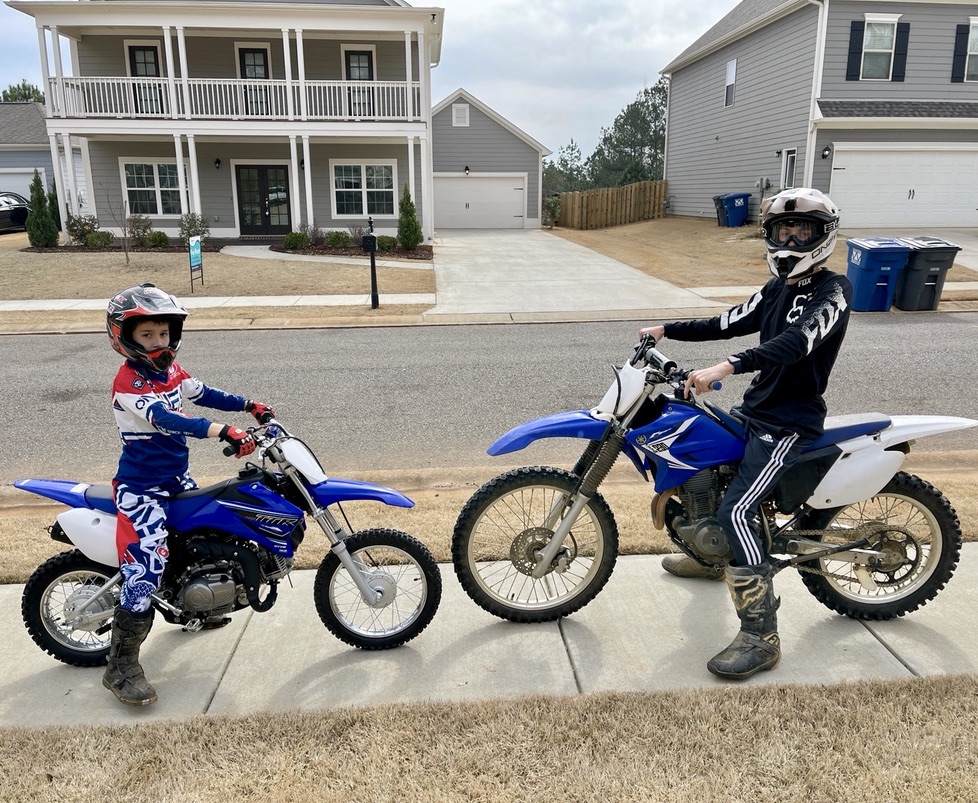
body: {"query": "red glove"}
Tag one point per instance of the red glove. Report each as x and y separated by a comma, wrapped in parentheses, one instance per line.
(262, 412)
(242, 440)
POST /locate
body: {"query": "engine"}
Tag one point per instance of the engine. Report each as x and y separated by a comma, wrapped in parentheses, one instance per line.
(208, 590)
(694, 522)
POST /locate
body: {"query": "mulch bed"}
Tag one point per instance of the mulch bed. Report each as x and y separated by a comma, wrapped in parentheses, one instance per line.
(421, 252)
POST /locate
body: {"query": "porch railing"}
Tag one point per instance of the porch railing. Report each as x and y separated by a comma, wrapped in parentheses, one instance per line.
(235, 99)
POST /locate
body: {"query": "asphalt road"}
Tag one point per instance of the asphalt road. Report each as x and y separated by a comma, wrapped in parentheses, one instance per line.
(436, 396)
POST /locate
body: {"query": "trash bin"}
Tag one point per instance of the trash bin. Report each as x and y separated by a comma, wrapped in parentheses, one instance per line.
(721, 211)
(874, 267)
(922, 280)
(735, 205)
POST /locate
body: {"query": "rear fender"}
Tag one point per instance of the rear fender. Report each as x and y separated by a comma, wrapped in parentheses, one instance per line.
(64, 491)
(571, 424)
(92, 532)
(336, 490)
(904, 428)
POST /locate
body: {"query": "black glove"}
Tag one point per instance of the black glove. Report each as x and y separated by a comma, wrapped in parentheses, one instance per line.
(241, 440)
(262, 412)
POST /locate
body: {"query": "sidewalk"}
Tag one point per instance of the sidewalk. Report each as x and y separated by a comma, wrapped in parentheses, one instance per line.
(646, 631)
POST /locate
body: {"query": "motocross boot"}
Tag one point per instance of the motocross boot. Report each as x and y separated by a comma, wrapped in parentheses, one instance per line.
(124, 676)
(757, 646)
(685, 566)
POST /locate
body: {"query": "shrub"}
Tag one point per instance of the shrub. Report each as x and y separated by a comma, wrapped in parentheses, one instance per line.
(386, 243)
(357, 230)
(139, 227)
(338, 239)
(99, 239)
(409, 233)
(551, 210)
(314, 233)
(193, 225)
(80, 227)
(157, 239)
(53, 207)
(295, 241)
(41, 231)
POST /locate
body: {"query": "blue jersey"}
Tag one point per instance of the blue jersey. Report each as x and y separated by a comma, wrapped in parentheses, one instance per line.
(149, 411)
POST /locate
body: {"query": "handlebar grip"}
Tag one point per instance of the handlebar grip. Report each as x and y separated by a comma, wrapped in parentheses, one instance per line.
(230, 451)
(716, 385)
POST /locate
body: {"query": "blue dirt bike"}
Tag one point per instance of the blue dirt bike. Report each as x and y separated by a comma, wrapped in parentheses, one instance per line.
(870, 541)
(230, 544)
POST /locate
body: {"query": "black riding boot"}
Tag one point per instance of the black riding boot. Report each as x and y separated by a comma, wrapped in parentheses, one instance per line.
(757, 646)
(124, 676)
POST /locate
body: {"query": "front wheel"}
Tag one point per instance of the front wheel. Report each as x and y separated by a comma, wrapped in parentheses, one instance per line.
(920, 552)
(504, 528)
(397, 566)
(59, 586)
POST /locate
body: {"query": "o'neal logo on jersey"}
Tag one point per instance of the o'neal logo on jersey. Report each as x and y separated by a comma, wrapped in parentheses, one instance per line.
(138, 383)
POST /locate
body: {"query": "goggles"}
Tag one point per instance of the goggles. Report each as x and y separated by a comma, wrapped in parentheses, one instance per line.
(795, 231)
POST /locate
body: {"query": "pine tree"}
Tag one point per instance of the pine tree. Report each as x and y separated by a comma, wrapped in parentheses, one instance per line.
(41, 231)
(409, 232)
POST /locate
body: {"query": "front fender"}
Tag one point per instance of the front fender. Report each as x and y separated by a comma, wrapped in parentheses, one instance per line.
(337, 490)
(570, 424)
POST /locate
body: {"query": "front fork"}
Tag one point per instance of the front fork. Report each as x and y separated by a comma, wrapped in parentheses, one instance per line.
(592, 467)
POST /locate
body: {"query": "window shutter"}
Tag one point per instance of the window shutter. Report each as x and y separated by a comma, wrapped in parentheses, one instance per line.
(960, 54)
(856, 31)
(900, 51)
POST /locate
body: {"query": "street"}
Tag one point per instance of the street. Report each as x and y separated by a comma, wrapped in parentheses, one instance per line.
(436, 397)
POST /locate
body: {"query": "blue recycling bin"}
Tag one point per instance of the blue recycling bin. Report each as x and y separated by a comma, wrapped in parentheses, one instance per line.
(735, 206)
(874, 268)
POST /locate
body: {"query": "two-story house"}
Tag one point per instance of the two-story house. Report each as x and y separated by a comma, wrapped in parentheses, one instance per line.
(261, 115)
(872, 101)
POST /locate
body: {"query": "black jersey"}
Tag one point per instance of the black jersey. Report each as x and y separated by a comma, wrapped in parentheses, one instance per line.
(801, 329)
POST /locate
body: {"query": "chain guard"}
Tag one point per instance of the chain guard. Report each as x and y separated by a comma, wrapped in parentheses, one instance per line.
(872, 536)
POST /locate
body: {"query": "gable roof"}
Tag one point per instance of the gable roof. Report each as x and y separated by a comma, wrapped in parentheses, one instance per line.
(898, 108)
(23, 124)
(461, 94)
(746, 17)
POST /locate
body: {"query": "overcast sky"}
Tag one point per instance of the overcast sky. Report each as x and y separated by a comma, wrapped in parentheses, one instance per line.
(558, 69)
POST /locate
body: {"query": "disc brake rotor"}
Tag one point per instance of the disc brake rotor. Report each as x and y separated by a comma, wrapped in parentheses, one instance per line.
(524, 552)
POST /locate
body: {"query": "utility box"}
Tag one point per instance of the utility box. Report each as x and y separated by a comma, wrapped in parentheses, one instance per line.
(874, 267)
(922, 280)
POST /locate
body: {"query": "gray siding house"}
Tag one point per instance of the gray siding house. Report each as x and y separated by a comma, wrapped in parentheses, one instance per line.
(261, 115)
(873, 102)
(488, 173)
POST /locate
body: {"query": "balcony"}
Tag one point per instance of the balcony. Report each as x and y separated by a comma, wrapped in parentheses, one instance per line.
(235, 99)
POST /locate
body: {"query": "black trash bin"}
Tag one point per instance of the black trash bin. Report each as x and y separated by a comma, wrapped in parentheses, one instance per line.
(922, 280)
(721, 210)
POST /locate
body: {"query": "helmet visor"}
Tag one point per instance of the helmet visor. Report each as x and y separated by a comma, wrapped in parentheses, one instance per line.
(794, 232)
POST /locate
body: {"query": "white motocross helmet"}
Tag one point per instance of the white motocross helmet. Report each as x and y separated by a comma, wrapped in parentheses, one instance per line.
(800, 229)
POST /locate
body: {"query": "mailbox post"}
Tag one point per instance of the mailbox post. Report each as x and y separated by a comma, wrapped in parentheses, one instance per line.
(369, 244)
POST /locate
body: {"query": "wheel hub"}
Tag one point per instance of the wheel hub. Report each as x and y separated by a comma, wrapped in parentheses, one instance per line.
(385, 586)
(94, 617)
(527, 549)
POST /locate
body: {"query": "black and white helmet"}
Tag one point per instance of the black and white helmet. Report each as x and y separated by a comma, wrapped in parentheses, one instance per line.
(800, 229)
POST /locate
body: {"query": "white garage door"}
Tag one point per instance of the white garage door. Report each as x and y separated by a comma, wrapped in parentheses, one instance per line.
(18, 180)
(913, 186)
(480, 202)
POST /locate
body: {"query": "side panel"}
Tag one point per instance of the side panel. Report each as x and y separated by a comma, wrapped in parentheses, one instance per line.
(93, 533)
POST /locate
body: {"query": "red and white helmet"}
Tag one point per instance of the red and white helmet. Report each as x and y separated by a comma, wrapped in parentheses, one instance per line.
(800, 229)
(146, 302)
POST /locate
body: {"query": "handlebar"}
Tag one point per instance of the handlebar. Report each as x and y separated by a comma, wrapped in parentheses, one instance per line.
(266, 431)
(646, 351)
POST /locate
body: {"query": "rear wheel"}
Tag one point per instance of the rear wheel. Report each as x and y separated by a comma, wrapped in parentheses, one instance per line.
(57, 588)
(502, 531)
(920, 552)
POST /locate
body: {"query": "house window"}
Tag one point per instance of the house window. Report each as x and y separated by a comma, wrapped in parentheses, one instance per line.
(143, 62)
(728, 93)
(358, 65)
(152, 188)
(360, 190)
(878, 48)
(788, 168)
(254, 65)
(965, 64)
(460, 115)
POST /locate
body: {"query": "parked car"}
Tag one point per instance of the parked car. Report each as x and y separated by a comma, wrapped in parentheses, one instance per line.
(14, 210)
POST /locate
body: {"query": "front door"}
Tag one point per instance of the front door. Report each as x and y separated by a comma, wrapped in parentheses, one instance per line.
(144, 62)
(263, 200)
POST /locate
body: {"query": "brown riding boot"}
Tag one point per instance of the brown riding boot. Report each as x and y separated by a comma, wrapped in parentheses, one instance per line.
(757, 646)
(124, 676)
(685, 566)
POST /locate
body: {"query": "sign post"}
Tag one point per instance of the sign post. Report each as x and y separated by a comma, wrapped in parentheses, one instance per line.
(196, 261)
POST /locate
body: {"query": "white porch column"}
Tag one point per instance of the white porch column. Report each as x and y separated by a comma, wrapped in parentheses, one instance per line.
(300, 56)
(58, 70)
(184, 79)
(289, 97)
(310, 218)
(42, 47)
(409, 72)
(427, 191)
(70, 173)
(194, 174)
(181, 184)
(424, 67)
(171, 87)
(411, 180)
(295, 208)
(59, 185)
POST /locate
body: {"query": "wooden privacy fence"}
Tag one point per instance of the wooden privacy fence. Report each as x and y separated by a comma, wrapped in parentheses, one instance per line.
(613, 206)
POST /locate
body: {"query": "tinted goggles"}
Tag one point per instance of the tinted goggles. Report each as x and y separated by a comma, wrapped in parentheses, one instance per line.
(797, 232)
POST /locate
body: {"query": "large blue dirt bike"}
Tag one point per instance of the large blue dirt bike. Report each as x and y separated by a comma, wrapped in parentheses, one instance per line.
(229, 546)
(870, 541)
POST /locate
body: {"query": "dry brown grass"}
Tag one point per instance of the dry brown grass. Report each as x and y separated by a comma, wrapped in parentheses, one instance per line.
(888, 741)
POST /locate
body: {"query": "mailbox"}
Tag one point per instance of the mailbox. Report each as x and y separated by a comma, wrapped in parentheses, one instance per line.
(369, 243)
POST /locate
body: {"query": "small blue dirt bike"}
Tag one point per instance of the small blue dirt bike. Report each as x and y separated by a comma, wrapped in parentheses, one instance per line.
(230, 544)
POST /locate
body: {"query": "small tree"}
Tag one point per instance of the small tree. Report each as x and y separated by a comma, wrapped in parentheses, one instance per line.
(41, 230)
(19, 93)
(409, 232)
(194, 225)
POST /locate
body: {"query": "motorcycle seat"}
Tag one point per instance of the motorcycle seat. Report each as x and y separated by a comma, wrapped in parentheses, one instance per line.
(101, 497)
(840, 428)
